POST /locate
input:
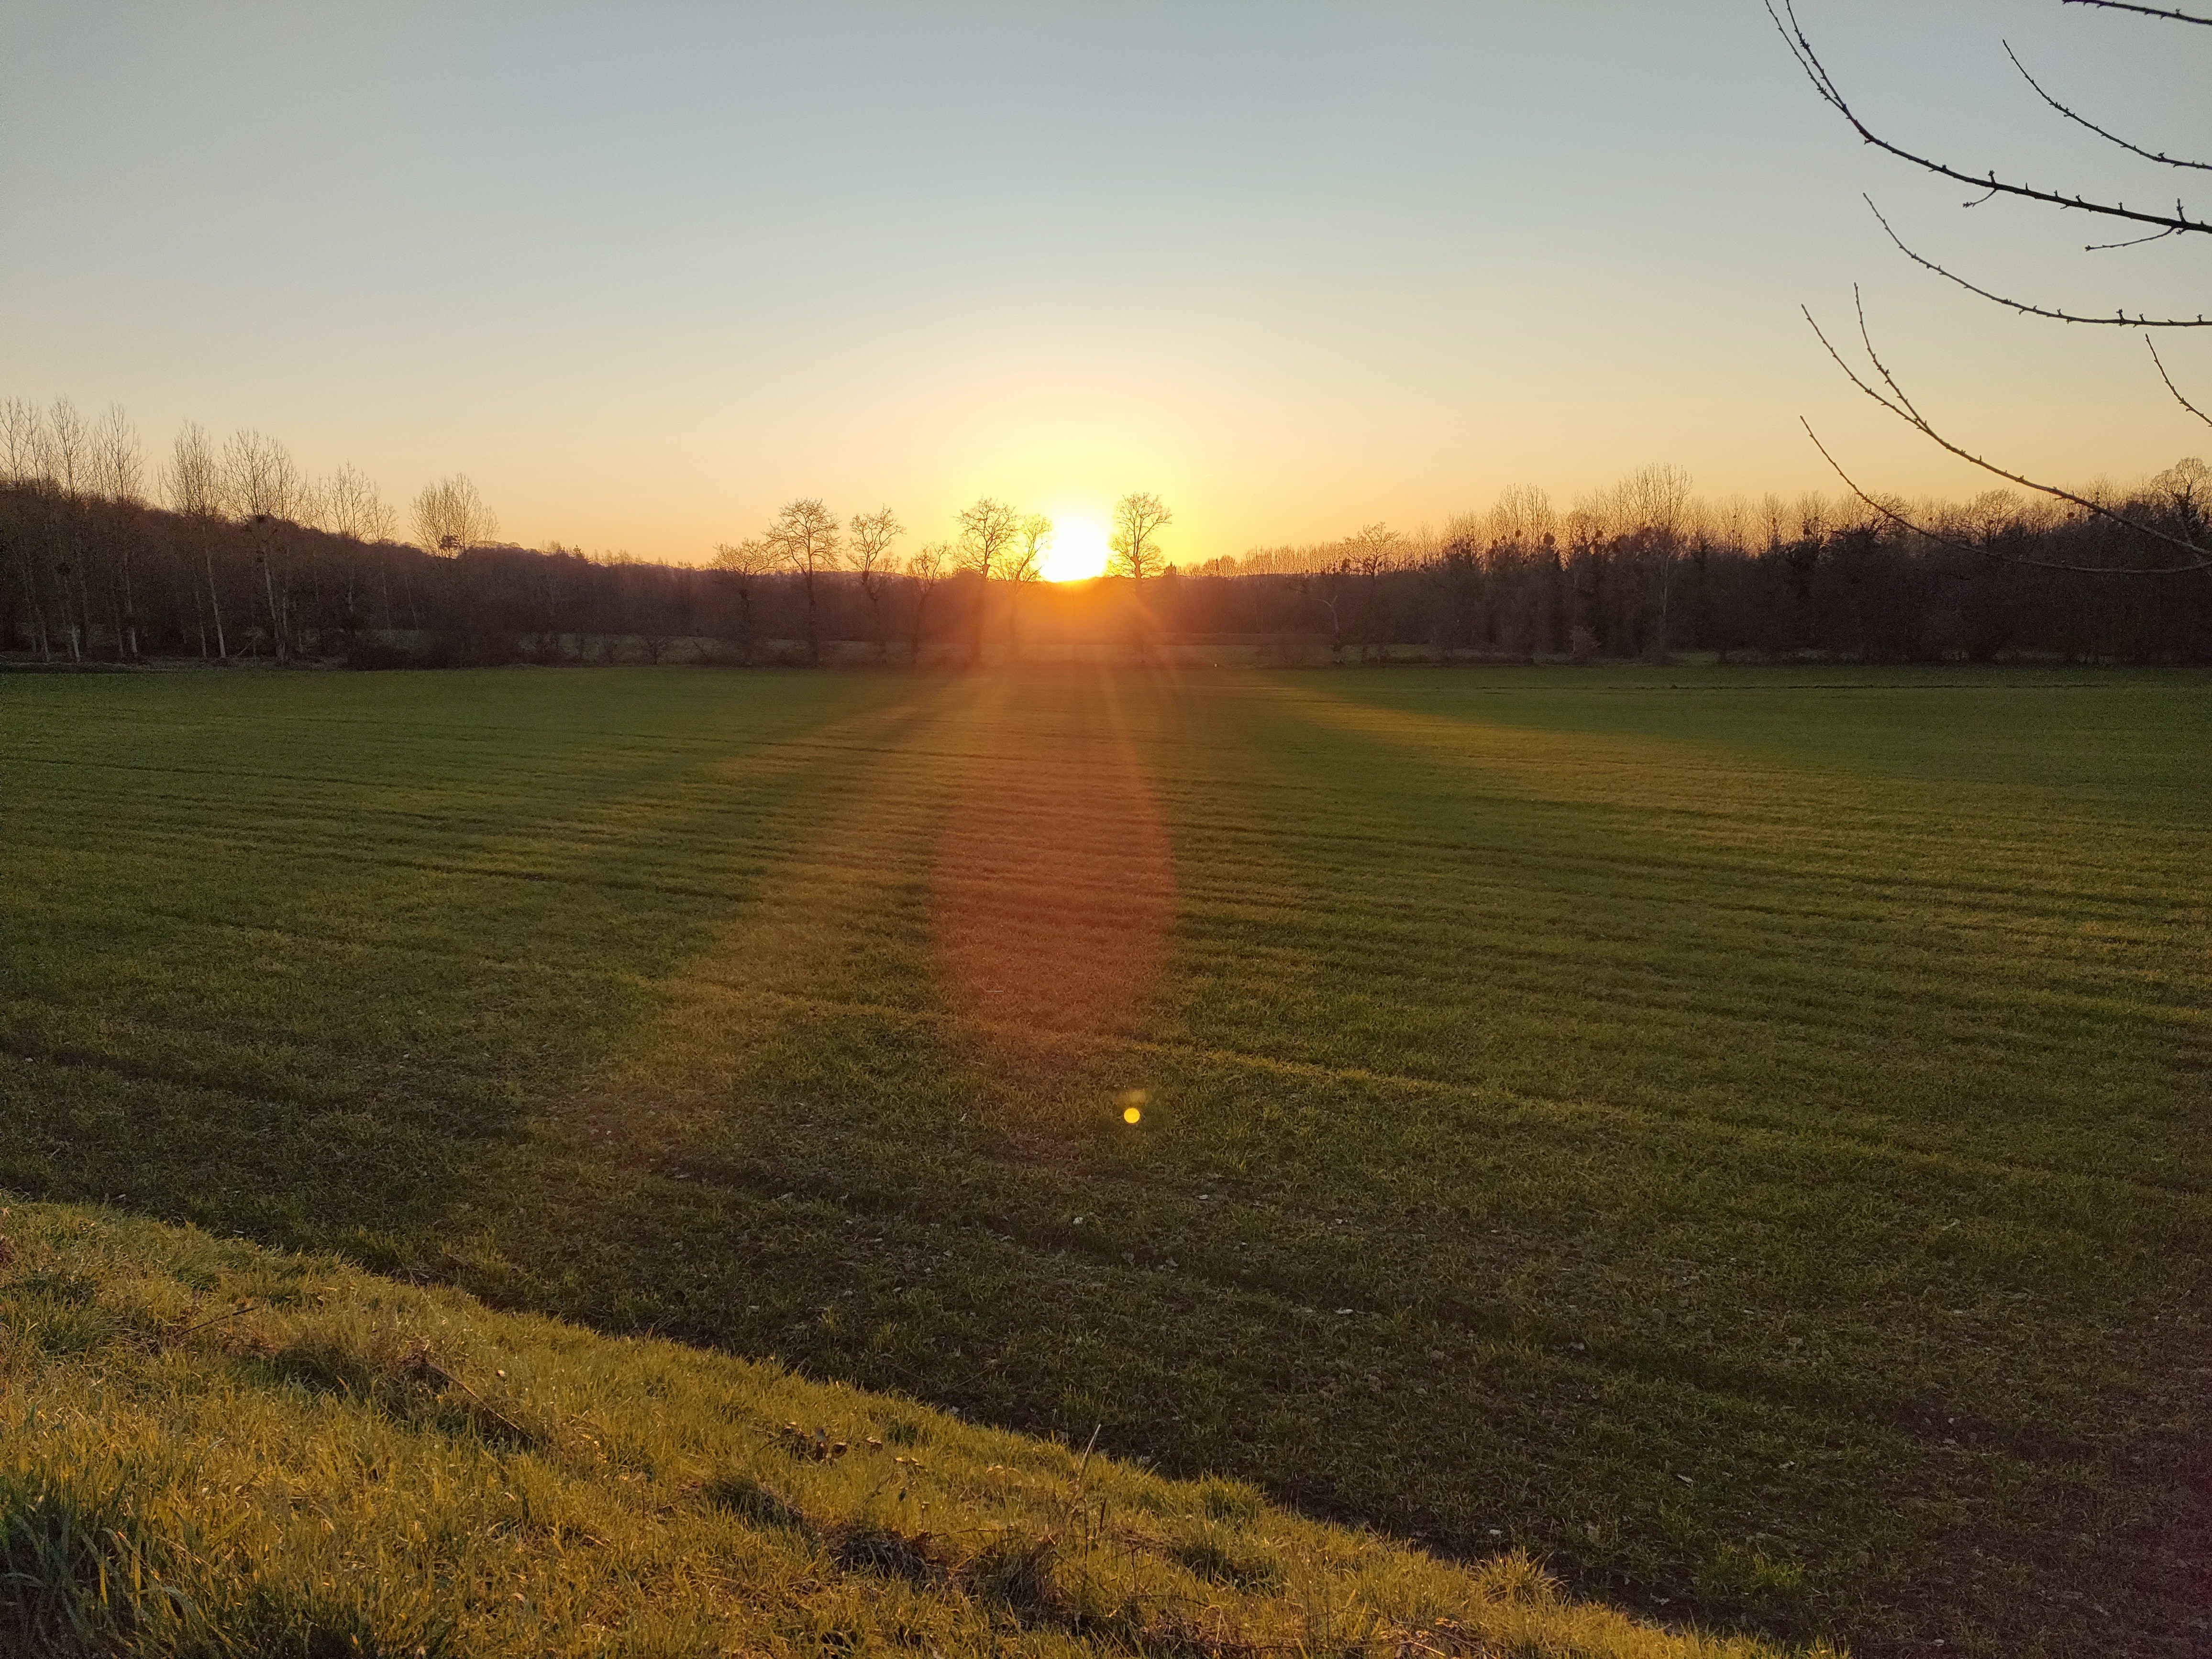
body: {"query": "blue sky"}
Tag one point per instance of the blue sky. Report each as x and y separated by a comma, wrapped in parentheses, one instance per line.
(646, 271)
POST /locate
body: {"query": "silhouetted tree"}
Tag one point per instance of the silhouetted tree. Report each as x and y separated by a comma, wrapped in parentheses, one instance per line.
(263, 487)
(1138, 520)
(1023, 563)
(194, 482)
(1374, 549)
(118, 473)
(804, 539)
(923, 571)
(872, 535)
(986, 532)
(22, 470)
(742, 565)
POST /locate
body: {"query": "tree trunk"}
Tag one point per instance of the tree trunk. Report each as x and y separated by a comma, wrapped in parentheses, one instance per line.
(30, 597)
(276, 616)
(215, 601)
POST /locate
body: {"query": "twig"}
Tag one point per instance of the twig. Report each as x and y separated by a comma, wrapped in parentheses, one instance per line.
(2082, 120)
(2174, 389)
(1800, 47)
(2118, 319)
(214, 1319)
(2132, 241)
(494, 1412)
(2147, 11)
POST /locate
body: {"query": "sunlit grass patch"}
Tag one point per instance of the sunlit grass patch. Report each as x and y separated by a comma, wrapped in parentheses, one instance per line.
(276, 1478)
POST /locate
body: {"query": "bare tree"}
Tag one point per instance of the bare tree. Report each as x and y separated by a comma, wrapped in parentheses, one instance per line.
(119, 468)
(1522, 517)
(986, 532)
(1328, 586)
(451, 517)
(352, 506)
(259, 478)
(68, 448)
(742, 566)
(23, 467)
(69, 470)
(194, 482)
(1655, 500)
(1879, 384)
(1368, 552)
(926, 570)
(265, 490)
(119, 471)
(1023, 563)
(349, 504)
(804, 539)
(20, 440)
(873, 537)
(1138, 520)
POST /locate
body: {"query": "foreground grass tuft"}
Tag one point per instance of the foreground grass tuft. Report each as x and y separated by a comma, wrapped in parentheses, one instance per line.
(215, 1450)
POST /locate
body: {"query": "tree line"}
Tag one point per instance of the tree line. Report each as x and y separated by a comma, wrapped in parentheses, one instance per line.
(1645, 570)
(996, 544)
(232, 552)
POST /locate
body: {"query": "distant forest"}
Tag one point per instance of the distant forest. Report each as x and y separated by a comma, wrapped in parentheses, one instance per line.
(248, 560)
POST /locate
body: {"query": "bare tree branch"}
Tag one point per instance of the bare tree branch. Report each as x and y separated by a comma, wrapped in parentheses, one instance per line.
(2132, 241)
(2084, 121)
(2147, 11)
(2118, 319)
(2174, 389)
(1900, 406)
(1800, 47)
(1897, 518)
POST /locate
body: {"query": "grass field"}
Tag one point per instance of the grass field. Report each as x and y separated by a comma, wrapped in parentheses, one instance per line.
(1737, 1134)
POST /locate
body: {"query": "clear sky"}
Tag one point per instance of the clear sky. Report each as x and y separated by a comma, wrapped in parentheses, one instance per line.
(645, 272)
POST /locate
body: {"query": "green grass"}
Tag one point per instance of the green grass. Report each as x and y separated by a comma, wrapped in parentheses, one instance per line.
(1737, 1135)
(207, 1449)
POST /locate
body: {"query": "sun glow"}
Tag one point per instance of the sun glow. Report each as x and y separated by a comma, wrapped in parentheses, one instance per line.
(1079, 551)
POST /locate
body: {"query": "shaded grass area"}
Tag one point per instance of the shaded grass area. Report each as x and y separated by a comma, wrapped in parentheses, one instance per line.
(1737, 1135)
(208, 1448)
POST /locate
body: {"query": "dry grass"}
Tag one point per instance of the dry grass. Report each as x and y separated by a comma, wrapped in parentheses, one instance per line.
(210, 1449)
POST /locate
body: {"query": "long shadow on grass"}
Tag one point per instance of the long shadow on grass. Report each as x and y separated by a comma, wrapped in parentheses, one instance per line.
(1502, 1176)
(294, 975)
(913, 1004)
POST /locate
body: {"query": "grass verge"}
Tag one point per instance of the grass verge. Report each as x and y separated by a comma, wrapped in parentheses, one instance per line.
(214, 1448)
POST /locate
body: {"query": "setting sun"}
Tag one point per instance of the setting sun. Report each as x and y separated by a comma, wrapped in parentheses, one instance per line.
(1079, 551)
